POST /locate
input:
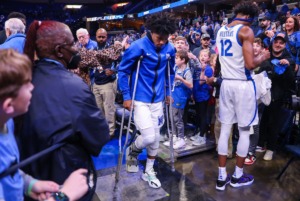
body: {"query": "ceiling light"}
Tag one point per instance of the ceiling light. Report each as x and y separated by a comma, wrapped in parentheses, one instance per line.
(72, 6)
(122, 4)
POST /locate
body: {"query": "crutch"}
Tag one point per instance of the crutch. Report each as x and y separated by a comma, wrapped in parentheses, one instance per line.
(121, 150)
(171, 114)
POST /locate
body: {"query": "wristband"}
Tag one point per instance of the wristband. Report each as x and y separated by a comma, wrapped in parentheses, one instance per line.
(30, 186)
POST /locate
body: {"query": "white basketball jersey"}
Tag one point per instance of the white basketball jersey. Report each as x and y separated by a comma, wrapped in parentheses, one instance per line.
(231, 53)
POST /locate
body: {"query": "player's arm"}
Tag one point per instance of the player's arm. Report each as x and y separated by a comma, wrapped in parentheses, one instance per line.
(246, 36)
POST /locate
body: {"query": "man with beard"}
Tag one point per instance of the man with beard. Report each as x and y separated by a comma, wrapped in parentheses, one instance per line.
(237, 94)
(280, 70)
(205, 44)
(105, 86)
(265, 30)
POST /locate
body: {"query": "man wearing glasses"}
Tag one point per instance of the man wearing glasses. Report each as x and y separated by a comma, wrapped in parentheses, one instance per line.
(84, 40)
(63, 108)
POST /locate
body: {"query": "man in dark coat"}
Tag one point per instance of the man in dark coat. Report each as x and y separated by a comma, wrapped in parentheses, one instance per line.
(63, 109)
(280, 70)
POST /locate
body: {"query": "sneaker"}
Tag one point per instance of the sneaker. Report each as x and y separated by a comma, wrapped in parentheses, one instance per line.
(151, 178)
(200, 141)
(195, 137)
(167, 143)
(222, 184)
(180, 143)
(260, 149)
(251, 158)
(244, 180)
(268, 155)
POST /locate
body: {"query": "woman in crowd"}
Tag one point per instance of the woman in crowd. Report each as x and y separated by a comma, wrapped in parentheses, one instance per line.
(293, 39)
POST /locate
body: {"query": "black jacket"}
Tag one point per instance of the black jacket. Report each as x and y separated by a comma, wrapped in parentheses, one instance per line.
(100, 77)
(282, 85)
(62, 109)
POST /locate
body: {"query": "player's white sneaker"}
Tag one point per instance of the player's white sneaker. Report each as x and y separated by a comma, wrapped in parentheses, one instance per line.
(151, 178)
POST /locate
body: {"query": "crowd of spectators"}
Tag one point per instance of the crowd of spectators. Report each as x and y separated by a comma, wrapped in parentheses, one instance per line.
(276, 29)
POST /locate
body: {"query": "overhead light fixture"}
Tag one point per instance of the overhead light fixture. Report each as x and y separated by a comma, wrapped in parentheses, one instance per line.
(122, 4)
(72, 6)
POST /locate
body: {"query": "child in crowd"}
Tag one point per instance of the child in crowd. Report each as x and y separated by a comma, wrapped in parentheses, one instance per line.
(193, 63)
(15, 95)
(181, 91)
(251, 157)
(216, 82)
(258, 47)
(212, 99)
(201, 94)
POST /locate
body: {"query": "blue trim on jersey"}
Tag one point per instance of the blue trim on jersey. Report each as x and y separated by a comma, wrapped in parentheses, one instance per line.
(254, 86)
(237, 36)
(248, 74)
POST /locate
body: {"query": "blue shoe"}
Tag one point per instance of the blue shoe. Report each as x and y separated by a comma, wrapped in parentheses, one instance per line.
(244, 180)
(222, 184)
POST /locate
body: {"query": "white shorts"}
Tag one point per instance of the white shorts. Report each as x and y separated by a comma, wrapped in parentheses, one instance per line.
(148, 115)
(238, 103)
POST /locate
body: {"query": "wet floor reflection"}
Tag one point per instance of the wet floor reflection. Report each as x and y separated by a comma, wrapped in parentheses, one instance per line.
(194, 179)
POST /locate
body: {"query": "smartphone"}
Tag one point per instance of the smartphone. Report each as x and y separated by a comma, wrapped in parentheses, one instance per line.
(225, 20)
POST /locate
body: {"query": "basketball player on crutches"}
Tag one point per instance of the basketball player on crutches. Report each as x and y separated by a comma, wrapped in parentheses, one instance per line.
(149, 94)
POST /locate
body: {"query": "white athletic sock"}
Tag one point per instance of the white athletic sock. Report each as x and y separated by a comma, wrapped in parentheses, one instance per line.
(222, 173)
(149, 164)
(238, 172)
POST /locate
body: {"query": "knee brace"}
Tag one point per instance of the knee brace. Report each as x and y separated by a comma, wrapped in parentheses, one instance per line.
(244, 141)
(146, 138)
(152, 149)
(223, 140)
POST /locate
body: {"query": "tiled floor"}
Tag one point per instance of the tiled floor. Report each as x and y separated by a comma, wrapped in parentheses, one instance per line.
(194, 179)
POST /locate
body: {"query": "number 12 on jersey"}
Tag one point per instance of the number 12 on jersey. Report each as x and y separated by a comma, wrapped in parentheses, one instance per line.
(225, 48)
